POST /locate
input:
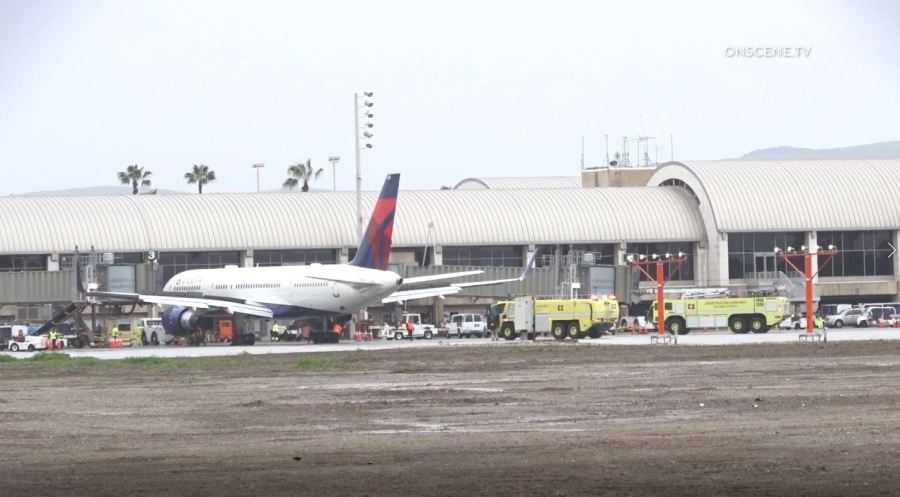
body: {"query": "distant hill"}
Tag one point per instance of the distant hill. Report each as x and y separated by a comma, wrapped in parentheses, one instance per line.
(883, 150)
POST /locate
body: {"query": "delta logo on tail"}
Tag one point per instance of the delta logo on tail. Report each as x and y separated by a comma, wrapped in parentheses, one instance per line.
(375, 247)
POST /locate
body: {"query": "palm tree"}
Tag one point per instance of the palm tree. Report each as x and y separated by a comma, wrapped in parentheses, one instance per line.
(136, 176)
(200, 175)
(301, 172)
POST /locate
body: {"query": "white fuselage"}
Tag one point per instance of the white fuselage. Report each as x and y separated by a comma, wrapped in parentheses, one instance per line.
(291, 291)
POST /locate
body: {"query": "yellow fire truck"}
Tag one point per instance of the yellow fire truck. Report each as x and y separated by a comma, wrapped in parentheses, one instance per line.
(739, 314)
(573, 318)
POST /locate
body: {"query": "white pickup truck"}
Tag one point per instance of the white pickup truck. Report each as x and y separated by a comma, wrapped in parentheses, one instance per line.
(420, 330)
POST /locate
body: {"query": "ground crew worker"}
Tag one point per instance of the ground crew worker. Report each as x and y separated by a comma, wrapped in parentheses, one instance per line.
(409, 329)
(20, 337)
(114, 333)
(53, 336)
(140, 339)
(494, 330)
(820, 322)
(336, 328)
(276, 332)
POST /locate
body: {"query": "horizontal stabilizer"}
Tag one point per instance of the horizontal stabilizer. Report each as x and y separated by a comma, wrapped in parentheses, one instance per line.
(349, 281)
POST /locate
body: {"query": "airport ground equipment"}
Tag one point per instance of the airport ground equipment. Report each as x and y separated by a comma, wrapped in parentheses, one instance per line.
(420, 329)
(77, 336)
(29, 343)
(739, 314)
(561, 318)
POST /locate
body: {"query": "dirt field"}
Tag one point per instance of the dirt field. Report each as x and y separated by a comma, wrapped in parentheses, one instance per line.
(542, 420)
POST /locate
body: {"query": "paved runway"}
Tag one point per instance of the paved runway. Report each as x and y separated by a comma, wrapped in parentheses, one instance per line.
(693, 339)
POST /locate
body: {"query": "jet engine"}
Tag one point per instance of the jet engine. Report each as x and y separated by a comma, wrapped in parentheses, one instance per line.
(179, 321)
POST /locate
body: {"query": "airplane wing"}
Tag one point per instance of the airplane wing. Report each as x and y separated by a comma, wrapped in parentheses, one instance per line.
(403, 295)
(249, 308)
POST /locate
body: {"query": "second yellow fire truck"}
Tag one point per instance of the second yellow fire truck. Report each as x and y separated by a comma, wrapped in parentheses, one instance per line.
(739, 314)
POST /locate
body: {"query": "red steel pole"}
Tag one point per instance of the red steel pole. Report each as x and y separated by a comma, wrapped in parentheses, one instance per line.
(807, 263)
(660, 304)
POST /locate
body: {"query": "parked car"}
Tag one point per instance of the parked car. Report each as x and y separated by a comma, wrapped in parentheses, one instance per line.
(886, 314)
(466, 325)
(793, 324)
(849, 317)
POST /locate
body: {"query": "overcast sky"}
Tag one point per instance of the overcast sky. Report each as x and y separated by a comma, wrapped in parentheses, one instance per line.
(481, 88)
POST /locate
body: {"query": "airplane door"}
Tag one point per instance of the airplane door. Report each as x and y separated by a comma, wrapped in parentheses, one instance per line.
(335, 290)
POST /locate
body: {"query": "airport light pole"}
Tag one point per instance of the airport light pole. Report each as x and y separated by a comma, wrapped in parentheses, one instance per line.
(367, 135)
(334, 159)
(641, 261)
(806, 253)
(258, 166)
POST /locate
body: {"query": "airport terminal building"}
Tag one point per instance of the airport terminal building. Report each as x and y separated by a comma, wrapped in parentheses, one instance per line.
(727, 216)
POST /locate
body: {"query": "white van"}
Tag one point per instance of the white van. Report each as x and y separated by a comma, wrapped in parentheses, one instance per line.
(467, 325)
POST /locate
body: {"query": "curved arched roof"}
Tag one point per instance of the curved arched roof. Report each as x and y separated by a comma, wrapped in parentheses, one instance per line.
(794, 195)
(520, 183)
(326, 219)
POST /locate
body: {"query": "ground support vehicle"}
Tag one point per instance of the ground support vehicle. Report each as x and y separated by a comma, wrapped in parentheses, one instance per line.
(466, 325)
(30, 343)
(420, 330)
(9, 332)
(632, 324)
(154, 333)
(561, 318)
(739, 314)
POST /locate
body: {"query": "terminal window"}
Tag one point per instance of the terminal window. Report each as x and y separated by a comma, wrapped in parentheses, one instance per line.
(10, 263)
(860, 253)
(752, 255)
(494, 256)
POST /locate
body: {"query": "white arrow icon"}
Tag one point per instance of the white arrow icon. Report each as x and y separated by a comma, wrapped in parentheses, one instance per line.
(893, 250)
